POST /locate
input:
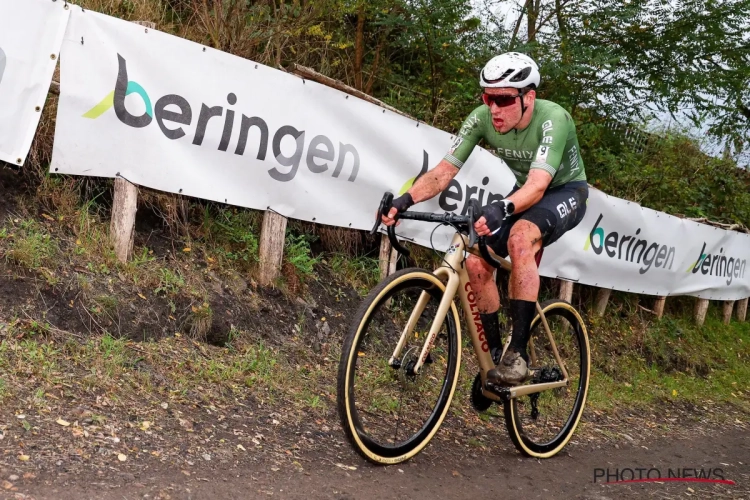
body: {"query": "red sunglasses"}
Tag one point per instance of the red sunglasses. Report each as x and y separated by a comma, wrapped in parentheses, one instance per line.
(501, 101)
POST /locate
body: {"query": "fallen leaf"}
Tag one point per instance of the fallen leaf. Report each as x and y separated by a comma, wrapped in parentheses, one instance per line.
(186, 424)
(142, 296)
(122, 457)
(48, 217)
(62, 422)
(674, 392)
(6, 485)
(145, 425)
(186, 249)
(23, 458)
(29, 475)
(456, 473)
(165, 406)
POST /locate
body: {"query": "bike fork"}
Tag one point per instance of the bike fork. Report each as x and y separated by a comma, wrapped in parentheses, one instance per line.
(424, 298)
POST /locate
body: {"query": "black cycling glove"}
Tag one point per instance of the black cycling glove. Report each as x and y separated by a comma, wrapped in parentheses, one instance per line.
(496, 214)
(403, 203)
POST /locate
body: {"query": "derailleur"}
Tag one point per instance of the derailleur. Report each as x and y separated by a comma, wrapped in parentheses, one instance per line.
(543, 376)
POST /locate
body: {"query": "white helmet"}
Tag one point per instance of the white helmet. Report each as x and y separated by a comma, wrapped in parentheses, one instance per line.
(510, 70)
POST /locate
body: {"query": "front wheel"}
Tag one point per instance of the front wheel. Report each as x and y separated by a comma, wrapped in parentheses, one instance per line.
(388, 413)
(541, 424)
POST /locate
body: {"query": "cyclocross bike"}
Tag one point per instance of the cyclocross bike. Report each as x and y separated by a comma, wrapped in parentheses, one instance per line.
(402, 353)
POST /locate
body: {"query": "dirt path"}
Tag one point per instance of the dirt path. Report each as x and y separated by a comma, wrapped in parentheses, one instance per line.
(436, 473)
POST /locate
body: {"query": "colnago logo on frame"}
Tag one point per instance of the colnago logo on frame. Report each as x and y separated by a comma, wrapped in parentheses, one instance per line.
(630, 248)
(173, 109)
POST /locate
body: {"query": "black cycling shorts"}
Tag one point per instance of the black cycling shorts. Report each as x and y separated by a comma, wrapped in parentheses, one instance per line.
(561, 209)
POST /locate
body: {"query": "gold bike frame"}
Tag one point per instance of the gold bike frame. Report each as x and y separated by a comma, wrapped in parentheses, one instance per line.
(456, 278)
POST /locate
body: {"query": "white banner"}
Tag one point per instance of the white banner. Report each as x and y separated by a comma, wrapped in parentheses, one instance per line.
(31, 32)
(174, 115)
(623, 246)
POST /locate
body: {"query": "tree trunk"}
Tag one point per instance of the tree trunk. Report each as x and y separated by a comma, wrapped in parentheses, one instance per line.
(531, 17)
(518, 25)
(359, 49)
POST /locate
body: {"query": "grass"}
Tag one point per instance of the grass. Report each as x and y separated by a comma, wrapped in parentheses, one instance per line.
(29, 244)
(670, 360)
(362, 272)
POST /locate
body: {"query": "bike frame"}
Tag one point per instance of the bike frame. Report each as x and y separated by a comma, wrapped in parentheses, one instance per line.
(456, 278)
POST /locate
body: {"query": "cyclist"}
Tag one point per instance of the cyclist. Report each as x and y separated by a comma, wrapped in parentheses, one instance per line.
(537, 140)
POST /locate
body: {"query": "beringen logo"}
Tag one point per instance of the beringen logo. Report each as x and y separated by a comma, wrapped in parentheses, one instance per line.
(613, 244)
(718, 265)
(174, 109)
(2, 64)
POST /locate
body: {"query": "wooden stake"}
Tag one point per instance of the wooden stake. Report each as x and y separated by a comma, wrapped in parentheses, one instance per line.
(272, 236)
(124, 207)
(701, 306)
(741, 309)
(393, 261)
(602, 297)
(727, 313)
(385, 256)
(566, 290)
(659, 306)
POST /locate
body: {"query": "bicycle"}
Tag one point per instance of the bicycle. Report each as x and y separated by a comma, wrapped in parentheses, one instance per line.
(406, 338)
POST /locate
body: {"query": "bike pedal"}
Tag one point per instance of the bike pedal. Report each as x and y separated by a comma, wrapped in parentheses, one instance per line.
(501, 391)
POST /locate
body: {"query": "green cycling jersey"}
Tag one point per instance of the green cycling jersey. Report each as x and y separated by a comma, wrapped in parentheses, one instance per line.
(548, 143)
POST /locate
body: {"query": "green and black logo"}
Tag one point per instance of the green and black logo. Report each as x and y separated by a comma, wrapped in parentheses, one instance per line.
(174, 114)
(718, 265)
(630, 248)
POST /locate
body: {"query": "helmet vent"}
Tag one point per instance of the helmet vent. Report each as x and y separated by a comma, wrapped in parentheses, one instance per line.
(521, 75)
(502, 77)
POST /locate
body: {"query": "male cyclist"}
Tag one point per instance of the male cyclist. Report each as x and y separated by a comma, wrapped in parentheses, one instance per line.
(537, 140)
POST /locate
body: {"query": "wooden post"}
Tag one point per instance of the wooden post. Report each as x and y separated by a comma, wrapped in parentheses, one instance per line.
(566, 290)
(701, 306)
(602, 297)
(272, 236)
(385, 256)
(393, 261)
(124, 206)
(741, 309)
(659, 306)
(727, 313)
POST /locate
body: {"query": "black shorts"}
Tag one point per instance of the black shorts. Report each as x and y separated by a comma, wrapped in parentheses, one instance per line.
(561, 209)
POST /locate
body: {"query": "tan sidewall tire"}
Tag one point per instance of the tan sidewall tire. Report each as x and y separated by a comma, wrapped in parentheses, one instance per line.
(361, 447)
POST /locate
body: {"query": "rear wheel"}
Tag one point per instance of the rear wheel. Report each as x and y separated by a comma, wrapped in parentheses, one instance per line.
(388, 413)
(541, 424)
